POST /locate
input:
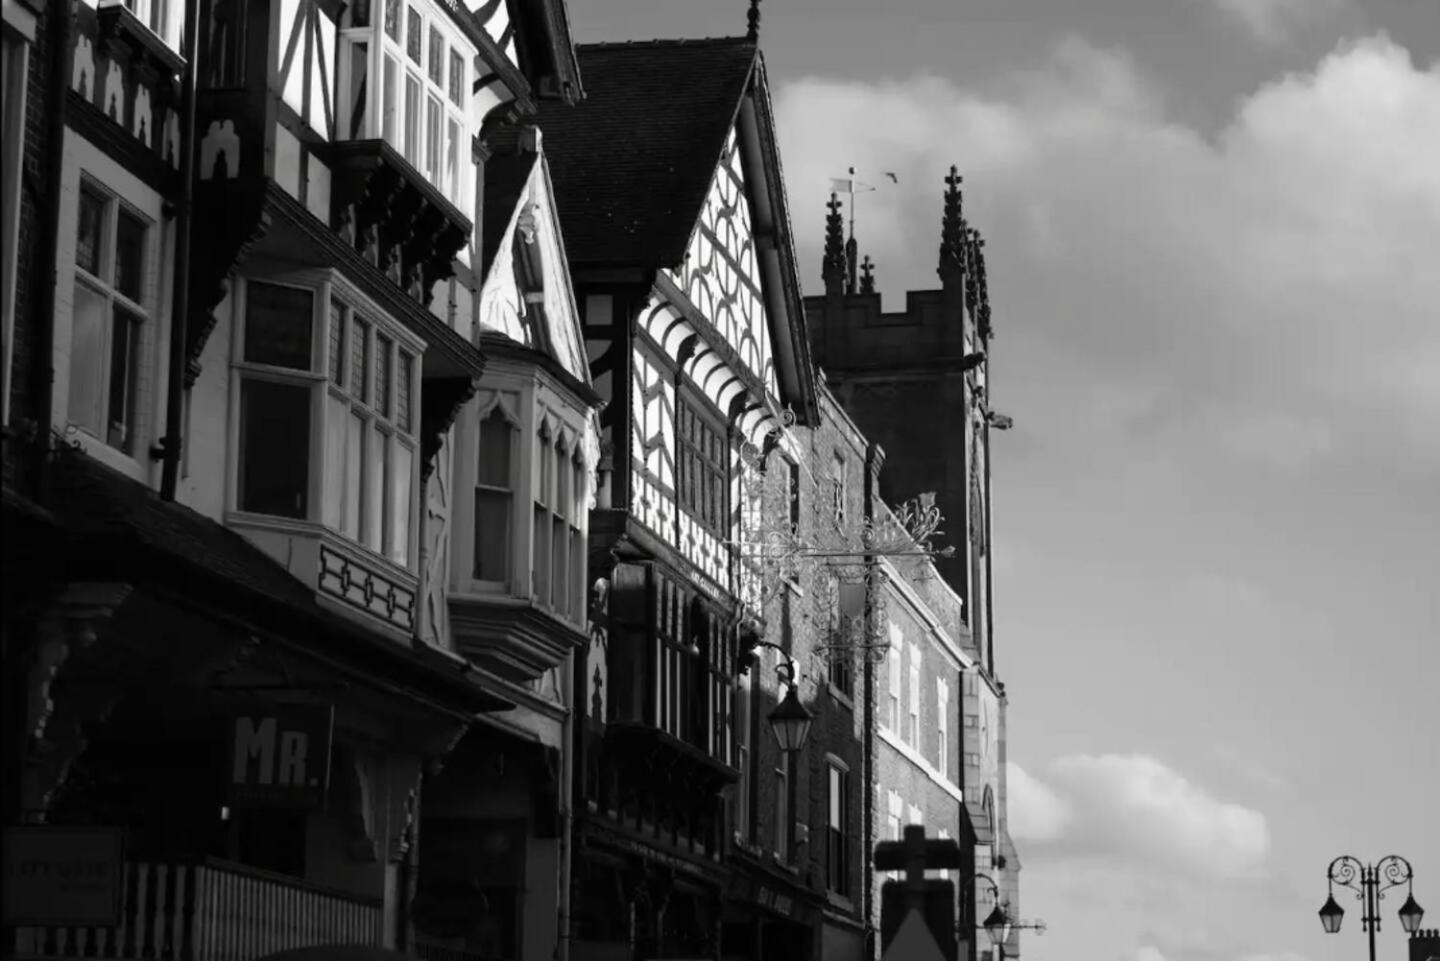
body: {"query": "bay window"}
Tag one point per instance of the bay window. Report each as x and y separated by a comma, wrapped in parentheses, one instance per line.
(328, 414)
(422, 63)
(112, 316)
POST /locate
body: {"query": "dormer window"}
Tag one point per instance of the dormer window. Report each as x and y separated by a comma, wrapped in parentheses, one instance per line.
(328, 411)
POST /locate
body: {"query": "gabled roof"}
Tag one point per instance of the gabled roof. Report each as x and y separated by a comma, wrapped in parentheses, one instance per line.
(632, 162)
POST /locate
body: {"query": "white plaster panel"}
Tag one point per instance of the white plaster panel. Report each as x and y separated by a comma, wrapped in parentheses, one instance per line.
(287, 161)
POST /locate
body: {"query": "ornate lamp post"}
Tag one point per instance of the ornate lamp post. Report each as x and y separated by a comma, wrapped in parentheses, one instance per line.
(1370, 882)
(790, 720)
(998, 924)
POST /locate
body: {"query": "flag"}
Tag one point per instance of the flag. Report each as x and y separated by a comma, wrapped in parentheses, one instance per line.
(842, 186)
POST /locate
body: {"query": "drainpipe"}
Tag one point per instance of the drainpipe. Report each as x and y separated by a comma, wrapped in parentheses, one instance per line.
(567, 808)
(43, 362)
(170, 447)
(874, 458)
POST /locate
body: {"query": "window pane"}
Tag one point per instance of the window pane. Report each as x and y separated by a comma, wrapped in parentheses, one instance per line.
(452, 161)
(90, 231)
(120, 416)
(392, 19)
(457, 78)
(403, 388)
(388, 124)
(332, 506)
(377, 457)
(274, 448)
(413, 39)
(562, 505)
(129, 255)
(577, 576)
(336, 357)
(434, 130)
(492, 535)
(559, 564)
(400, 507)
(360, 359)
(540, 561)
(359, 84)
(495, 444)
(278, 324)
(383, 347)
(412, 119)
(87, 353)
(354, 472)
(437, 58)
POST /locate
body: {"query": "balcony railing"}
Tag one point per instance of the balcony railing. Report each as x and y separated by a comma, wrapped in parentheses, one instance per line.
(212, 911)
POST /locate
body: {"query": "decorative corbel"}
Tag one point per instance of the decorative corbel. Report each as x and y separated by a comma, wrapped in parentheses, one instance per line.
(406, 775)
(55, 737)
(441, 400)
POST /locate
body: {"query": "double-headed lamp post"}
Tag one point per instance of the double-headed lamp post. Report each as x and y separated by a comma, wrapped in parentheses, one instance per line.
(1370, 882)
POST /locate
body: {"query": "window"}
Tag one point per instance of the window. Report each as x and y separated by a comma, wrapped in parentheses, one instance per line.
(782, 807)
(743, 699)
(494, 497)
(941, 873)
(309, 346)
(837, 854)
(894, 827)
(558, 529)
(14, 69)
(912, 729)
(841, 670)
(704, 478)
(424, 82)
(892, 705)
(837, 489)
(942, 727)
(155, 14)
(110, 317)
(792, 491)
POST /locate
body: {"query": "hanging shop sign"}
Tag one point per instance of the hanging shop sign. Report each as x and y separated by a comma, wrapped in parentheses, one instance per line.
(61, 875)
(279, 757)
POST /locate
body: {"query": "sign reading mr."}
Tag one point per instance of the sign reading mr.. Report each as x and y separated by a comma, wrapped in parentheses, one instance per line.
(280, 757)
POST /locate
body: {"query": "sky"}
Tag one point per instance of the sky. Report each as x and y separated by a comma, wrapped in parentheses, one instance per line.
(1213, 248)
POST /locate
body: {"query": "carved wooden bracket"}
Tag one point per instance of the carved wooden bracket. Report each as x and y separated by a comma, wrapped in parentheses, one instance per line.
(55, 733)
(441, 400)
(406, 776)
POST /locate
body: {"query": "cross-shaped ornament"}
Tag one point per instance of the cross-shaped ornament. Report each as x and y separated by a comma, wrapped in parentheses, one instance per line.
(915, 855)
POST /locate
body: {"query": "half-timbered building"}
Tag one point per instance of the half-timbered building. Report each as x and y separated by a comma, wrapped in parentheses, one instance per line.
(675, 219)
(246, 638)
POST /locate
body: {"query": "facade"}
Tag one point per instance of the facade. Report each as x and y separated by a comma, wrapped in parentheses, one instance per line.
(933, 357)
(251, 625)
(676, 228)
(420, 491)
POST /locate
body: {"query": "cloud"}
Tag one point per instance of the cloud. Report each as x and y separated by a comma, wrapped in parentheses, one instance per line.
(1272, 21)
(1135, 809)
(1036, 812)
(1147, 953)
(1266, 288)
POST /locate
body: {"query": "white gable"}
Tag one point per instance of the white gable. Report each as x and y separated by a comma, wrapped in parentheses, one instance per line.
(502, 306)
(721, 274)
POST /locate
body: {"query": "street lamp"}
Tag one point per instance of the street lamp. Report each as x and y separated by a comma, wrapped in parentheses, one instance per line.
(791, 722)
(1373, 881)
(997, 925)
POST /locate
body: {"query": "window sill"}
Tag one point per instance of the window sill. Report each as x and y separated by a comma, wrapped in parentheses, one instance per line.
(839, 901)
(840, 695)
(107, 455)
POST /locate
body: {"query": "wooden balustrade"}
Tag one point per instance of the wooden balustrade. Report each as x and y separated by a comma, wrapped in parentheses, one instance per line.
(212, 911)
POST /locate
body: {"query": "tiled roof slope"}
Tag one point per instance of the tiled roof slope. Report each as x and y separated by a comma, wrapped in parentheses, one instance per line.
(112, 522)
(632, 162)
